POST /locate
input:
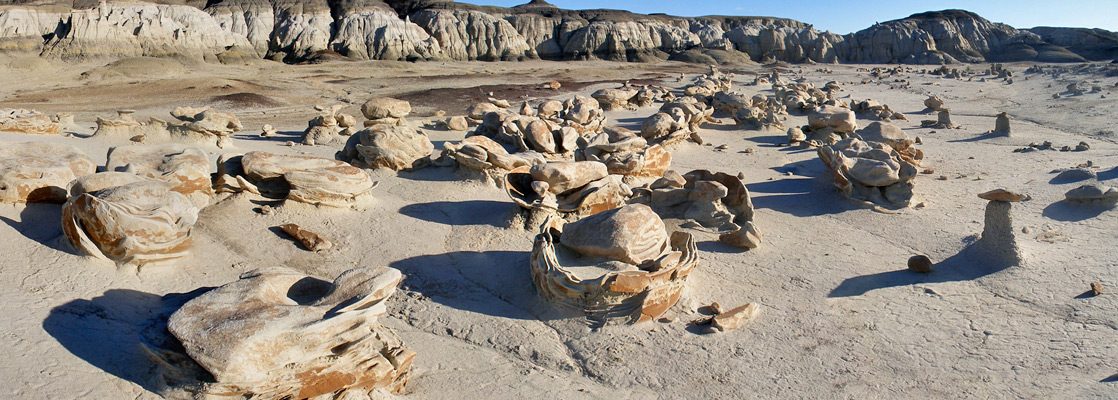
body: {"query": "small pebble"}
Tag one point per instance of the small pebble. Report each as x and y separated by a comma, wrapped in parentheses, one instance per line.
(267, 210)
(288, 143)
(1096, 288)
(920, 263)
(716, 308)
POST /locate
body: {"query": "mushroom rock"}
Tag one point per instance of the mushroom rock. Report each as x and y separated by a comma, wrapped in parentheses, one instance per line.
(392, 147)
(278, 333)
(140, 223)
(40, 172)
(186, 169)
(998, 244)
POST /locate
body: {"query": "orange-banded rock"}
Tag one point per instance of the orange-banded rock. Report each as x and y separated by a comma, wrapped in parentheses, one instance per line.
(279, 334)
(311, 180)
(35, 172)
(609, 290)
(186, 169)
(140, 223)
(28, 121)
(392, 147)
(870, 171)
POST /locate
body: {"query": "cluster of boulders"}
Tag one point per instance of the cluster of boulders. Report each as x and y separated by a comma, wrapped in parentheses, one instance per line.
(277, 333)
(29, 121)
(569, 189)
(877, 166)
(619, 265)
(140, 211)
(705, 200)
(201, 125)
(505, 140)
(872, 109)
(631, 97)
(329, 126)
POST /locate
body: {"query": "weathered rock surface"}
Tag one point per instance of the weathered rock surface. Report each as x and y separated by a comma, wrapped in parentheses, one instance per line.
(1093, 194)
(311, 180)
(37, 172)
(278, 333)
(28, 121)
(871, 171)
(186, 169)
(564, 176)
(633, 234)
(139, 223)
(393, 147)
(609, 289)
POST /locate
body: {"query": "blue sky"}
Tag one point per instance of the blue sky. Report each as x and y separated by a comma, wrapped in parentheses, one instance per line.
(841, 16)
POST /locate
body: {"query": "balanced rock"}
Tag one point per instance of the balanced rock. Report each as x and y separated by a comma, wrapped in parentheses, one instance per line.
(280, 334)
(39, 172)
(139, 223)
(934, 103)
(392, 147)
(1003, 195)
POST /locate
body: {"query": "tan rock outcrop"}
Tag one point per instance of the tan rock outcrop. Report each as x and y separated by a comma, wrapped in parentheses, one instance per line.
(29, 122)
(140, 223)
(277, 333)
(870, 171)
(201, 125)
(392, 147)
(186, 169)
(39, 172)
(385, 110)
(609, 290)
(311, 180)
(711, 200)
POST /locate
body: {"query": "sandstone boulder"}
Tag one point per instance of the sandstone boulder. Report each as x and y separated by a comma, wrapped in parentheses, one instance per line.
(37, 172)
(279, 333)
(311, 180)
(141, 223)
(564, 176)
(841, 120)
(610, 290)
(186, 169)
(393, 147)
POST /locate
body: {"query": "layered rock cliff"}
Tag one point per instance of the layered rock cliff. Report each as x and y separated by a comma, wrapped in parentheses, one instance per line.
(296, 30)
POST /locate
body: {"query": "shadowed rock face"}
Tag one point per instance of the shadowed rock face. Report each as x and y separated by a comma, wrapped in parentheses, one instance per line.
(297, 30)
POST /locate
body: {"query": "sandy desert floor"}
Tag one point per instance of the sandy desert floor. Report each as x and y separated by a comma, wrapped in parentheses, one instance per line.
(841, 315)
